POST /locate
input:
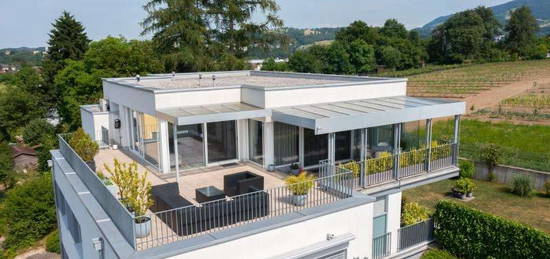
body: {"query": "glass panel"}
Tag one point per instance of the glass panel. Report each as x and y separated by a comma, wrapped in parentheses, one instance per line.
(343, 146)
(380, 140)
(413, 135)
(380, 207)
(315, 147)
(255, 141)
(379, 226)
(135, 131)
(150, 136)
(171, 147)
(190, 146)
(356, 145)
(286, 139)
(222, 141)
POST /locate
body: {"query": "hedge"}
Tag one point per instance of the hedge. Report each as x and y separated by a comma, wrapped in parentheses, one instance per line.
(470, 233)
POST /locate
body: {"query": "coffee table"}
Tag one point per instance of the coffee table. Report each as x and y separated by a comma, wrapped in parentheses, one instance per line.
(208, 193)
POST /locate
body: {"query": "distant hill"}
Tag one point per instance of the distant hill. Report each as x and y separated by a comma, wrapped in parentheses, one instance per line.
(22, 56)
(299, 38)
(540, 9)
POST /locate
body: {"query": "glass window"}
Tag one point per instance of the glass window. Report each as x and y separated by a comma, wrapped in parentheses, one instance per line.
(150, 137)
(286, 139)
(190, 146)
(380, 140)
(315, 147)
(171, 145)
(413, 135)
(222, 141)
(255, 141)
(343, 146)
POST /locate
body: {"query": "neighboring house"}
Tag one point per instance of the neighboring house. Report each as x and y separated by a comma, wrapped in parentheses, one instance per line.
(218, 147)
(256, 64)
(24, 158)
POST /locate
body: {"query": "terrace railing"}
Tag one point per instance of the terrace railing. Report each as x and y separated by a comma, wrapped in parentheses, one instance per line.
(118, 213)
(381, 246)
(412, 235)
(389, 168)
(182, 223)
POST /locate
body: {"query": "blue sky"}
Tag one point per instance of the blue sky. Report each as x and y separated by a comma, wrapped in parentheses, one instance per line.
(27, 22)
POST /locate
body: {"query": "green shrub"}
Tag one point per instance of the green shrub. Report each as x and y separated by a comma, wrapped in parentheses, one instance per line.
(470, 233)
(29, 210)
(490, 154)
(547, 187)
(83, 145)
(413, 213)
(300, 184)
(52, 242)
(435, 253)
(467, 168)
(522, 186)
(465, 185)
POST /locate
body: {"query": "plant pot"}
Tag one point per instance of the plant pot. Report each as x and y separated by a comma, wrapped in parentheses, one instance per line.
(271, 168)
(295, 171)
(143, 228)
(113, 189)
(299, 200)
(458, 194)
(91, 164)
(115, 147)
(470, 195)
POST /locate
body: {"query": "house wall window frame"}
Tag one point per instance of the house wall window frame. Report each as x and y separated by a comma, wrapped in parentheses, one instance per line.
(135, 134)
(261, 134)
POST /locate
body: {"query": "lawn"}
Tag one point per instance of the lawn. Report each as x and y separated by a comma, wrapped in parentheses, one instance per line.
(521, 145)
(492, 198)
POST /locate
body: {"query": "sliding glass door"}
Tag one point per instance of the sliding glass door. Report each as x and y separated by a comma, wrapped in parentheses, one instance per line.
(190, 146)
(286, 138)
(315, 148)
(255, 141)
(222, 141)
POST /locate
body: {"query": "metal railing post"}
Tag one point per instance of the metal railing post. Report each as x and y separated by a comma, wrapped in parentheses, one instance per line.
(428, 145)
(396, 149)
(456, 139)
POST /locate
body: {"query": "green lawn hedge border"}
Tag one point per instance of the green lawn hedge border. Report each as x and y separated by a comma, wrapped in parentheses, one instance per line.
(470, 233)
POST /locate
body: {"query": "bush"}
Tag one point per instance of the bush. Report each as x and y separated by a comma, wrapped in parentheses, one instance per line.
(467, 169)
(469, 233)
(522, 185)
(83, 145)
(435, 253)
(547, 187)
(465, 185)
(490, 154)
(29, 209)
(52, 242)
(300, 184)
(413, 213)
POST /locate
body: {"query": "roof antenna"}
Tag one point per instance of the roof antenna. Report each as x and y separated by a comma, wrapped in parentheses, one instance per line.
(213, 80)
(200, 77)
(138, 78)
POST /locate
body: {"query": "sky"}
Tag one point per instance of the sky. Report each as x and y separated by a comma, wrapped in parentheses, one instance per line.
(27, 22)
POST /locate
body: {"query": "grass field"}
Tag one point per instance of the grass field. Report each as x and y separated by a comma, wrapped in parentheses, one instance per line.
(521, 145)
(492, 198)
(472, 79)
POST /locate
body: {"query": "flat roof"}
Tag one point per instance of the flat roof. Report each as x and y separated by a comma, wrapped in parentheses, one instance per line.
(358, 114)
(260, 79)
(211, 113)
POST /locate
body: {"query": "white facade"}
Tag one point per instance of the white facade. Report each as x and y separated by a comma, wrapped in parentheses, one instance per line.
(95, 122)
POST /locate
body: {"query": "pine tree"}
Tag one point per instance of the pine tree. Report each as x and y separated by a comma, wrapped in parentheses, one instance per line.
(68, 40)
(206, 34)
(521, 32)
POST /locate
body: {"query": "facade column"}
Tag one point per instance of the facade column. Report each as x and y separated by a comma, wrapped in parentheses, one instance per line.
(176, 156)
(456, 139)
(332, 148)
(269, 141)
(428, 145)
(363, 154)
(394, 219)
(396, 149)
(242, 140)
(164, 147)
(301, 146)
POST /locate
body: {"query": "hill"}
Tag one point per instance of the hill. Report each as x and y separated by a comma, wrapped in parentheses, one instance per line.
(540, 9)
(22, 56)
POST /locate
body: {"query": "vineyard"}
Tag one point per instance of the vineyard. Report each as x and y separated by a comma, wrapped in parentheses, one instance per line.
(472, 79)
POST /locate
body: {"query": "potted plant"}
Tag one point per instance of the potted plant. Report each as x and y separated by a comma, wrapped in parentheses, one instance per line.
(295, 169)
(135, 193)
(108, 183)
(299, 185)
(85, 147)
(463, 188)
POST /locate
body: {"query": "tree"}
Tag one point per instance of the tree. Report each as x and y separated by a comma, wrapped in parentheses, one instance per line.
(521, 32)
(36, 130)
(390, 57)
(305, 61)
(358, 30)
(17, 109)
(30, 210)
(192, 34)
(68, 40)
(362, 56)
(6, 165)
(80, 81)
(393, 29)
(337, 60)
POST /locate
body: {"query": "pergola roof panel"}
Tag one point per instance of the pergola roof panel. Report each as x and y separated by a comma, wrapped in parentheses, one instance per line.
(210, 113)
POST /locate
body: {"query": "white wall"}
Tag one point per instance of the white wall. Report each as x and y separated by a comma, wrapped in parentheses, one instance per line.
(303, 96)
(87, 120)
(92, 123)
(137, 99)
(357, 221)
(394, 218)
(195, 97)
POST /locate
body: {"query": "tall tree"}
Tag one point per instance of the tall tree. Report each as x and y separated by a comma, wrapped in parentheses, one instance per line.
(68, 40)
(393, 29)
(192, 34)
(521, 32)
